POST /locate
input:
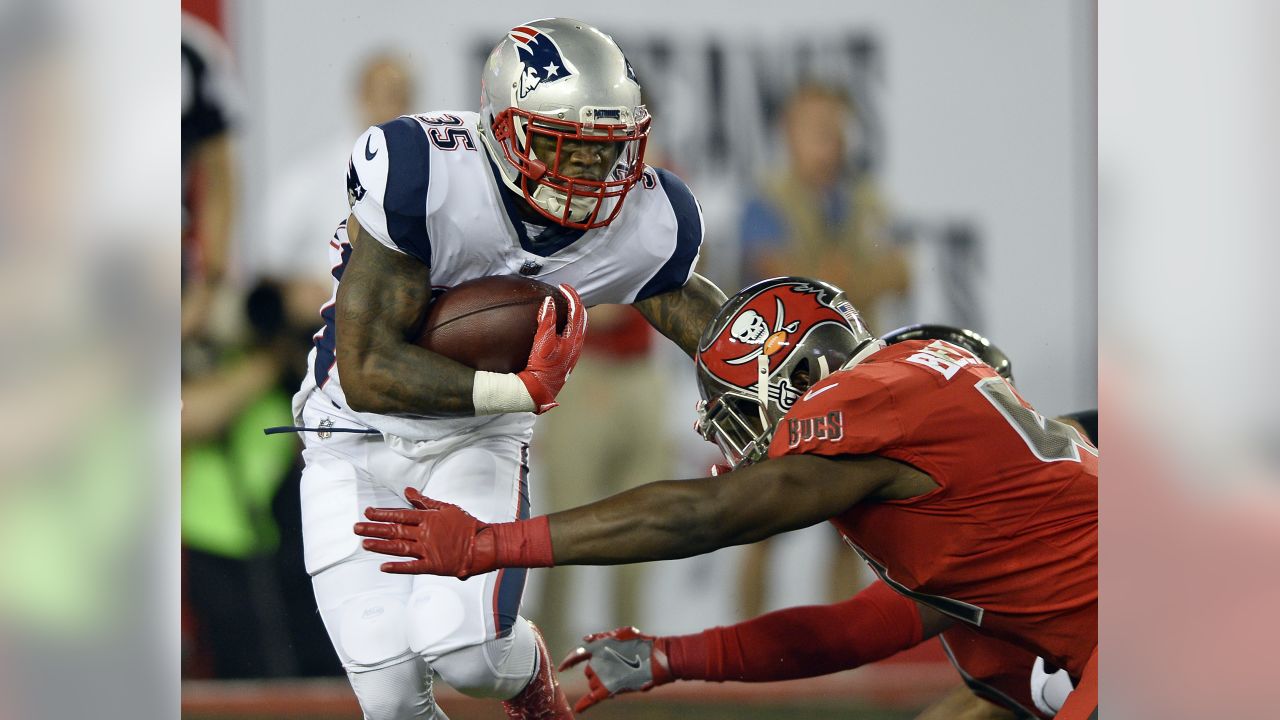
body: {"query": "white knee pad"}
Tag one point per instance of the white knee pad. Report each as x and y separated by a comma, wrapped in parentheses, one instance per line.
(1049, 690)
(499, 668)
(398, 692)
(368, 631)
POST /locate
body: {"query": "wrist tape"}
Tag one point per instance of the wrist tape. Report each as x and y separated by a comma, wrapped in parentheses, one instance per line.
(493, 393)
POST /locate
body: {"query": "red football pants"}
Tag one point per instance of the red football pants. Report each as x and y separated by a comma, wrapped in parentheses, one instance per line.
(1082, 703)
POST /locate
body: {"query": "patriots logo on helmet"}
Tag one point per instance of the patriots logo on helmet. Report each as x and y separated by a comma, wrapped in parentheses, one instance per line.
(540, 57)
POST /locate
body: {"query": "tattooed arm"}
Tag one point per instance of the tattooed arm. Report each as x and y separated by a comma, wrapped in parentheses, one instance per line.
(382, 301)
(683, 314)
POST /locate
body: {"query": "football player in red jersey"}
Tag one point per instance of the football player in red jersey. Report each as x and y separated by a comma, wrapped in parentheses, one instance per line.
(1001, 681)
(959, 495)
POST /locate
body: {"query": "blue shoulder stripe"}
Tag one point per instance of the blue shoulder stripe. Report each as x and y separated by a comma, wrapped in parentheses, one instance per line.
(676, 270)
(326, 340)
(408, 176)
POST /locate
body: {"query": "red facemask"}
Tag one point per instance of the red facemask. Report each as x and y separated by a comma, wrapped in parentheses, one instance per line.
(581, 203)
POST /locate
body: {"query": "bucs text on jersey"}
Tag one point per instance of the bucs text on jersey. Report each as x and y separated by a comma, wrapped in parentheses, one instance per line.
(1008, 542)
(423, 185)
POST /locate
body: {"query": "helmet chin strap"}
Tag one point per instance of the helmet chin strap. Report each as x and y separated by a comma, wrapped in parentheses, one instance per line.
(553, 201)
(762, 387)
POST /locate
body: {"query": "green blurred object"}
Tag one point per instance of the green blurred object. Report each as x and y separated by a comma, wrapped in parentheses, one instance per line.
(228, 485)
(61, 582)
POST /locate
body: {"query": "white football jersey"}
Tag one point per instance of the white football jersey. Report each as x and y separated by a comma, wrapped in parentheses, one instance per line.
(423, 185)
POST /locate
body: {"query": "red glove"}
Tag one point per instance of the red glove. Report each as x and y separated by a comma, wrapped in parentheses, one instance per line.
(619, 661)
(553, 356)
(444, 539)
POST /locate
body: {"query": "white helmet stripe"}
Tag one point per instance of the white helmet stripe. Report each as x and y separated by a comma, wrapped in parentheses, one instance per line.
(762, 386)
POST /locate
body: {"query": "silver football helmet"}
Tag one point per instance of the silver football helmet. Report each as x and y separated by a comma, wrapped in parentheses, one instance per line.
(550, 90)
(981, 347)
(765, 347)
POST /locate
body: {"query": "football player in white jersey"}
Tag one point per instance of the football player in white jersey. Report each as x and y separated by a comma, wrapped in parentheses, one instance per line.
(548, 180)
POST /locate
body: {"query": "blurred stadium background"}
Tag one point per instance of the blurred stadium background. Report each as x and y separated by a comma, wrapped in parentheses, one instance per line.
(977, 123)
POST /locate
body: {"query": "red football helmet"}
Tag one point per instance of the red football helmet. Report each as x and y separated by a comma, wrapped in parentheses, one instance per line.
(765, 347)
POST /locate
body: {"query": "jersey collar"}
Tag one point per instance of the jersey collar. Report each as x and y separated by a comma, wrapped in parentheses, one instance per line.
(554, 239)
(872, 347)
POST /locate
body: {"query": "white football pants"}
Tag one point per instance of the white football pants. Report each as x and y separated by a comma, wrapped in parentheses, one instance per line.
(392, 631)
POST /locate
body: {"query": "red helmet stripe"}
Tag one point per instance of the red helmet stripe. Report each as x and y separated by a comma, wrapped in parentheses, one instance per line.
(523, 34)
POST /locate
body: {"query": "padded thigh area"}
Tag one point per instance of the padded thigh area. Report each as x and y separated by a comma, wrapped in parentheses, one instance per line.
(364, 611)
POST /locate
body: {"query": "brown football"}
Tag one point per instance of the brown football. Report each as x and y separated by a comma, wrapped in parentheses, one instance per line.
(488, 323)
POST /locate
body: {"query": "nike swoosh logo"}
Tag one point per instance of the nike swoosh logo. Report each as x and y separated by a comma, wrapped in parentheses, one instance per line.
(367, 154)
(633, 663)
(815, 393)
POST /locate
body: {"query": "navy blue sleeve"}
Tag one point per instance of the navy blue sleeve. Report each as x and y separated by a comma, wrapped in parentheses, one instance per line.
(408, 176)
(675, 272)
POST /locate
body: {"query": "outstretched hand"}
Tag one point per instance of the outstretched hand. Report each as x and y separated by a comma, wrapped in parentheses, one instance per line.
(442, 539)
(619, 661)
(554, 355)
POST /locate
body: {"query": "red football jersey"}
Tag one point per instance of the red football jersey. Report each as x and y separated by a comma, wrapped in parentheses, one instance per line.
(992, 668)
(1009, 541)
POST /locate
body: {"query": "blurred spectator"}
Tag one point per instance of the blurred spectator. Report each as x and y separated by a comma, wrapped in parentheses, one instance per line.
(309, 198)
(821, 217)
(209, 183)
(231, 473)
(608, 426)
